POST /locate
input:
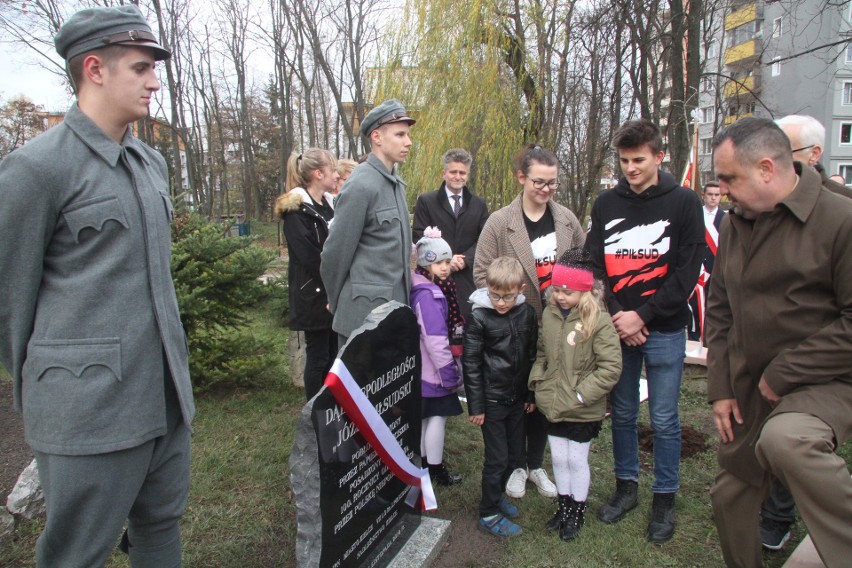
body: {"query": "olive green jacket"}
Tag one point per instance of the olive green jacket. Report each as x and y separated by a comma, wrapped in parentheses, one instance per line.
(567, 365)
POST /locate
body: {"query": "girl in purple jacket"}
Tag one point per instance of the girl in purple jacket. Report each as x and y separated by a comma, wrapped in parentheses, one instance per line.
(434, 303)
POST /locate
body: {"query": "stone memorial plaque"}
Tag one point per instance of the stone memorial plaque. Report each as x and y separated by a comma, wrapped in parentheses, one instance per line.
(351, 509)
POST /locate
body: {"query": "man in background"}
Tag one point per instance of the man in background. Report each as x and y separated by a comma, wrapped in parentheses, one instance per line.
(460, 214)
(712, 220)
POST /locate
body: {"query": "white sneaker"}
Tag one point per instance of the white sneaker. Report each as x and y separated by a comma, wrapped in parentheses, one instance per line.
(517, 485)
(542, 483)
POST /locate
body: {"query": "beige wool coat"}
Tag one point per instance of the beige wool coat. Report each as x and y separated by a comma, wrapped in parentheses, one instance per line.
(780, 307)
(505, 234)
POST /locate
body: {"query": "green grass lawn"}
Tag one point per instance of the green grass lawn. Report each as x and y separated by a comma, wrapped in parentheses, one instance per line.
(241, 512)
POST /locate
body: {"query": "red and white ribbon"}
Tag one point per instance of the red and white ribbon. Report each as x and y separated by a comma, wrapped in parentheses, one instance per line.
(363, 414)
(711, 237)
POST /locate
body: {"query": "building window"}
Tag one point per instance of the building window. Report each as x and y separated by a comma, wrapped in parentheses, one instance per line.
(847, 92)
(849, 53)
(846, 171)
(776, 67)
(776, 27)
(708, 114)
(712, 49)
(846, 132)
(705, 146)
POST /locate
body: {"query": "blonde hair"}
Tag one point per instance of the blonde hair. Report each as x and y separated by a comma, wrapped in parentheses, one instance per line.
(300, 166)
(590, 307)
(345, 166)
(505, 273)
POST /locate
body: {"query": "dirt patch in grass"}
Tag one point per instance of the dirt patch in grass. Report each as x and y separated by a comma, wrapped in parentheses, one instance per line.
(692, 441)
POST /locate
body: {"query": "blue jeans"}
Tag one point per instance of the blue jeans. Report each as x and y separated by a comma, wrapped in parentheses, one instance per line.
(663, 355)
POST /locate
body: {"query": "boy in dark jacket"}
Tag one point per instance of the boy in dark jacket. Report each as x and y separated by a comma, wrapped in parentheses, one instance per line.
(646, 244)
(499, 351)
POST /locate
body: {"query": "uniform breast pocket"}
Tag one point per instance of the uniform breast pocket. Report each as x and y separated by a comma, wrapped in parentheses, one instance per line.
(94, 214)
(387, 215)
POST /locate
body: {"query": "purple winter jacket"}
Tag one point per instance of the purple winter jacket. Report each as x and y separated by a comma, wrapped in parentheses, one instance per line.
(440, 375)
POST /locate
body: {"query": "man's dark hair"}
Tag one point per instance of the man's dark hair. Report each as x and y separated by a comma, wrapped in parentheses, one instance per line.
(533, 153)
(755, 138)
(712, 183)
(636, 133)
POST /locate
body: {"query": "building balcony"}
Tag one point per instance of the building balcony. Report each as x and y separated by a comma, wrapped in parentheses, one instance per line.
(735, 117)
(742, 53)
(743, 15)
(741, 87)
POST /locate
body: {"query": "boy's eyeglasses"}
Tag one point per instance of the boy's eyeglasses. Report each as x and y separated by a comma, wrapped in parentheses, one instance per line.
(540, 184)
(508, 298)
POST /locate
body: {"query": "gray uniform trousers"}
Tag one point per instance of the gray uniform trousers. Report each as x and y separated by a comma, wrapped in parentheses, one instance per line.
(146, 485)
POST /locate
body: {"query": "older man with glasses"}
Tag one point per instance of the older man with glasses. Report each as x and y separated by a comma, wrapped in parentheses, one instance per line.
(807, 140)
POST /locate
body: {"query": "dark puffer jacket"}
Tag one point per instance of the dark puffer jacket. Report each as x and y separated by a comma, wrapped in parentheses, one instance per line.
(306, 229)
(499, 352)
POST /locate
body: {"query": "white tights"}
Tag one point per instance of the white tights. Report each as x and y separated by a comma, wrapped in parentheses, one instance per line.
(571, 467)
(432, 439)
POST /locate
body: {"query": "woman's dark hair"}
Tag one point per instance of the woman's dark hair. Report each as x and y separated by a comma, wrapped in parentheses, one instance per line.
(533, 153)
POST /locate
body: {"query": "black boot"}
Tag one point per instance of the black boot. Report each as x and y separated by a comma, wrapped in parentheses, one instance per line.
(565, 501)
(442, 476)
(569, 529)
(625, 499)
(662, 525)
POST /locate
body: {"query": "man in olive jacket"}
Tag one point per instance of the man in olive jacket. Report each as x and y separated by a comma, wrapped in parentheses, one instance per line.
(779, 335)
(367, 258)
(89, 323)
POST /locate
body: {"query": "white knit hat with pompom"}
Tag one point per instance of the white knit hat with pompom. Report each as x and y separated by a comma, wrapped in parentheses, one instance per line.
(431, 248)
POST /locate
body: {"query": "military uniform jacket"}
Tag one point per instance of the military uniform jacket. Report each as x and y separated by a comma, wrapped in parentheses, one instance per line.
(89, 320)
(780, 307)
(367, 257)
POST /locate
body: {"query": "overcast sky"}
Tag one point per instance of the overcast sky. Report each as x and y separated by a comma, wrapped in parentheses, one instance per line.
(19, 76)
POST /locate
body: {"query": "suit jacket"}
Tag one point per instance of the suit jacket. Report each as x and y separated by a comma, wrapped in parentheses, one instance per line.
(367, 257)
(433, 209)
(89, 322)
(505, 234)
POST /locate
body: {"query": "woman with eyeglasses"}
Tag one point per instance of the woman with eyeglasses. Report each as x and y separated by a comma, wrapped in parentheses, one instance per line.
(536, 230)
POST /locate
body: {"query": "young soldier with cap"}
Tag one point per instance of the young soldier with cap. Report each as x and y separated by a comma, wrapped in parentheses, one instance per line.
(89, 329)
(366, 259)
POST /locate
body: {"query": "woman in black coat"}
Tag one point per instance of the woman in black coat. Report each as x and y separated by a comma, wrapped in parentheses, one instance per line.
(307, 210)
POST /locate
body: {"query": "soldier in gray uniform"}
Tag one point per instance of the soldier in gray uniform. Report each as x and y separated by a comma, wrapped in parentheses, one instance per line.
(89, 323)
(366, 260)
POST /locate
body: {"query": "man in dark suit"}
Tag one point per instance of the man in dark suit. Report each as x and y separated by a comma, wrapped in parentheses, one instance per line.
(460, 215)
(712, 220)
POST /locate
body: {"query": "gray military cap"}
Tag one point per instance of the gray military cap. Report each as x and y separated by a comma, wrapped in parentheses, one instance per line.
(389, 111)
(94, 28)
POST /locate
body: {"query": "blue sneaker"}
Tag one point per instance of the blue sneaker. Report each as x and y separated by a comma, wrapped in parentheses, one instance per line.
(498, 526)
(508, 509)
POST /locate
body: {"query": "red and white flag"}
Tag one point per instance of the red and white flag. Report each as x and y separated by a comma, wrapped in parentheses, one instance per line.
(363, 414)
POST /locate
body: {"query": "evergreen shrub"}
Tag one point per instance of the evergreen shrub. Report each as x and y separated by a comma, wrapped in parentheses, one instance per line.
(216, 279)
